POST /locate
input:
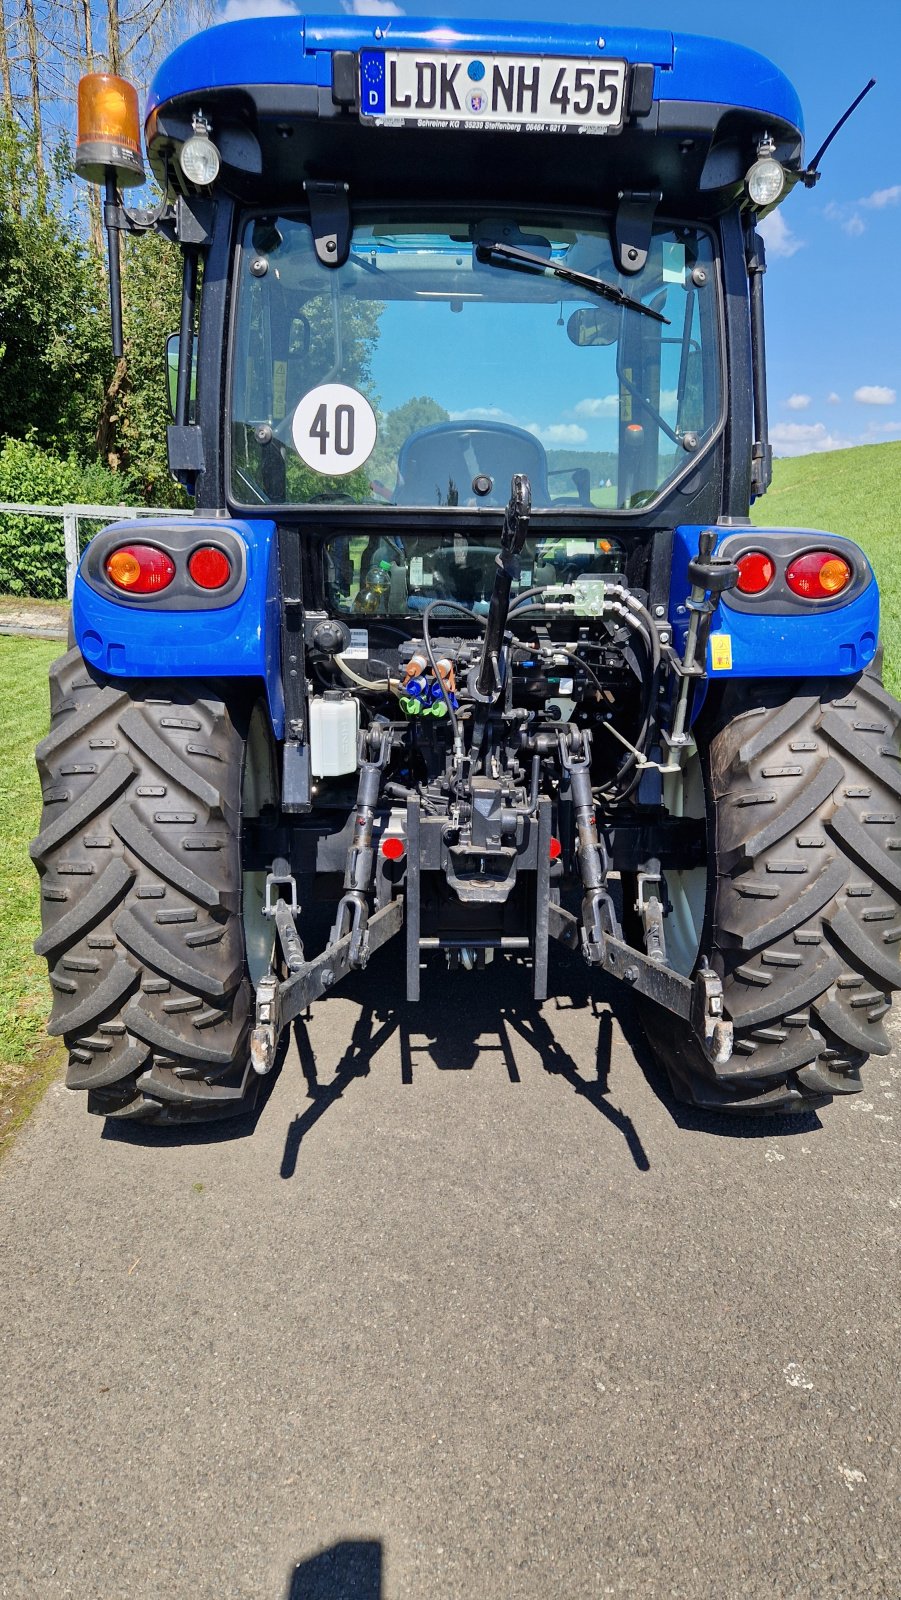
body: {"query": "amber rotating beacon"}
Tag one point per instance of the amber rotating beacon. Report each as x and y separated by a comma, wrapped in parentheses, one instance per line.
(108, 152)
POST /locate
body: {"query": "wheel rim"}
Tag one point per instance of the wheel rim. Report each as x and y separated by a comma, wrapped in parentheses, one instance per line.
(686, 890)
(258, 790)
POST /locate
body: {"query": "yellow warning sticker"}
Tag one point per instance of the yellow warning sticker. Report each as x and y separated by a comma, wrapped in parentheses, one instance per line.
(721, 652)
(279, 387)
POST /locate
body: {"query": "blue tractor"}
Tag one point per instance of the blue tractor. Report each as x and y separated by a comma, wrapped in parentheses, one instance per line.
(468, 635)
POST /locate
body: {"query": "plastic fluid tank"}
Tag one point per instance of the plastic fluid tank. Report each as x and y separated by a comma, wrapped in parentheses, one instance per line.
(334, 724)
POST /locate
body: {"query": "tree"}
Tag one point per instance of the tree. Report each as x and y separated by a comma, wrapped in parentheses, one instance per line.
(132, 438)
(54, 339)
(58, 382)
(395, 427)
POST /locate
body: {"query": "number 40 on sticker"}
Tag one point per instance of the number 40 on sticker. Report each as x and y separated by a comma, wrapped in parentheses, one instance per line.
(334, 429)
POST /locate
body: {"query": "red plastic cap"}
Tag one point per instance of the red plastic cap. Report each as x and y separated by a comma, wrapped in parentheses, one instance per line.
(393, 848)
(555, 849)
(210, 568)
(756, 572)
(140, 569)
(818, 575)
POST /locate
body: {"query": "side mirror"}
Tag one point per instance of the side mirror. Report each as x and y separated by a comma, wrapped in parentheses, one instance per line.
(300, 337)
(592, 325)
(173, 344)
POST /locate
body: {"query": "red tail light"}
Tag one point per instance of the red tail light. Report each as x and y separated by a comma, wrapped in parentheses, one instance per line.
(818, 575)
(210, 568)
(555, 849)
(140, 569)
(393, 848)
(756, 572)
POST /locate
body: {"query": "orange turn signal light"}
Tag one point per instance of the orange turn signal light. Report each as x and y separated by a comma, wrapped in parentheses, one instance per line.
(818, 575)
(140, 569)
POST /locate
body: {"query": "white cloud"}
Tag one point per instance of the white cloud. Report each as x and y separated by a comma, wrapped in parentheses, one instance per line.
(880, 198)
(484, 414)
(241, 10)
(833, 399)
(889, 428)
(372, 8)
(875, 394)
(607, 406)
(848, 215)
(805, 438)
(849, 220)
(798, 402)
(780, 241)
(559, 433)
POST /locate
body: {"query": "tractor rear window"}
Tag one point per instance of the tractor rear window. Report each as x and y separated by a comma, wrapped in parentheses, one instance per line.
(400, 574)
(431, 366)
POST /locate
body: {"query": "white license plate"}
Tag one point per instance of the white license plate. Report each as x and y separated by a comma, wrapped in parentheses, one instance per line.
(545, 94)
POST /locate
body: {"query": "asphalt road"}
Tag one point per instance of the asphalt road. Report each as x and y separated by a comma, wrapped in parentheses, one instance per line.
(472, 1310)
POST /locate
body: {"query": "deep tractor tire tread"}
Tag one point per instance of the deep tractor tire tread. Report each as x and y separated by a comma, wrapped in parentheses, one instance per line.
(140, 866)
(804, 921)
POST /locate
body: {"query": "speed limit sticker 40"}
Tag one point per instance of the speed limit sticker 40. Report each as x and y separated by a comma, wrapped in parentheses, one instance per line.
(334, 429)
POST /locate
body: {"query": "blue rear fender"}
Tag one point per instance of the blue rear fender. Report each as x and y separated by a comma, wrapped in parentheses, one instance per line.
(801, 638)
(147, 637)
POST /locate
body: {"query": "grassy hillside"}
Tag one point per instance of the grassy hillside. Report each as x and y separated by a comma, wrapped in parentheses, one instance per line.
(857, 493)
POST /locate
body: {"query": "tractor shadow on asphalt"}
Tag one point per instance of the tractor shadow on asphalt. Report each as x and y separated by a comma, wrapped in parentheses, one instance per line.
(452, 1027)
(349, 1570)
(456, 1024)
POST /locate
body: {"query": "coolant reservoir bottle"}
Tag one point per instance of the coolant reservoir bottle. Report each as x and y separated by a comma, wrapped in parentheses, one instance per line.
(334, 724)
(371, 598)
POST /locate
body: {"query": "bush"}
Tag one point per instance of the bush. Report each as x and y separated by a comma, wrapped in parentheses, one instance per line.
(32, 549)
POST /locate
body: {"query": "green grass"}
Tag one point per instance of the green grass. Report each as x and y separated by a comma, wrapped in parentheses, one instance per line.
(27, 1060)
(854, 492)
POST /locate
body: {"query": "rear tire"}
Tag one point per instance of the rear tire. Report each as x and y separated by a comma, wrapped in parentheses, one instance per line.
(803, 916)
(139, 856)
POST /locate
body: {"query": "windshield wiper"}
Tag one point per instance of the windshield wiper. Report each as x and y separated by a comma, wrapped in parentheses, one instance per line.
(583, 280)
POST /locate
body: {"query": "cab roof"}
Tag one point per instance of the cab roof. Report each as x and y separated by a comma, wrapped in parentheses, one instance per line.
(693, 130)
(289, 50)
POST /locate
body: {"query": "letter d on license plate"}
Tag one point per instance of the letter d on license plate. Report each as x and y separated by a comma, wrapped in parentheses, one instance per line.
(539, 93)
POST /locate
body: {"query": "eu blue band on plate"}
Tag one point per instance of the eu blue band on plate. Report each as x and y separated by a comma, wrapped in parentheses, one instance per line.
(372, 83)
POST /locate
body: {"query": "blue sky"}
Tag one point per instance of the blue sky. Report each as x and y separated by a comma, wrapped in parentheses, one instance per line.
(834, 281)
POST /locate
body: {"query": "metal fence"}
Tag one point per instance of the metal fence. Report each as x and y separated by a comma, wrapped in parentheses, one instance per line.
(72, 515)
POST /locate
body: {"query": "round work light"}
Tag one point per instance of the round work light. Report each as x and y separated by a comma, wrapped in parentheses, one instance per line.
(766, 181)
(199, 157)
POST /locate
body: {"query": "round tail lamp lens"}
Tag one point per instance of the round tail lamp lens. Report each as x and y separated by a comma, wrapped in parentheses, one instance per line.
(755, 572)
(818, 575)
(140, 569)
(210, 568)
(393, 848)
(555, 849)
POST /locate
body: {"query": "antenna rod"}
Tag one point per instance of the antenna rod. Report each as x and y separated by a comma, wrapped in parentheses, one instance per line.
(811, 175)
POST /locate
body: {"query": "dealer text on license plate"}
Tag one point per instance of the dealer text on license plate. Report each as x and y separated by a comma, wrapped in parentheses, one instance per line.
(539, 93)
